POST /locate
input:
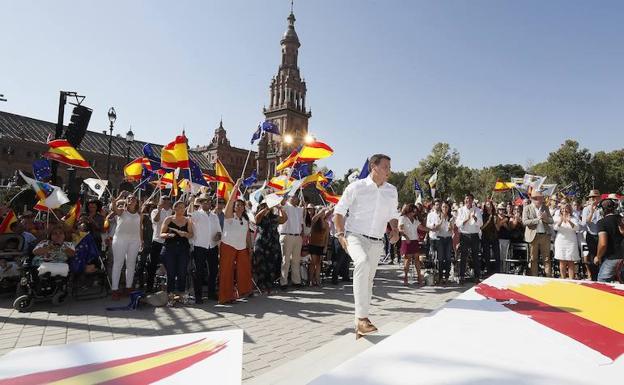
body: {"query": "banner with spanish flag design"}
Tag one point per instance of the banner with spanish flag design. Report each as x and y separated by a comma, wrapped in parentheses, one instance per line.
(175, 359)
(510, 330)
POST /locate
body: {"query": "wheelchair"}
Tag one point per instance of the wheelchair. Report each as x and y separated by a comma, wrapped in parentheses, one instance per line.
(34, 286)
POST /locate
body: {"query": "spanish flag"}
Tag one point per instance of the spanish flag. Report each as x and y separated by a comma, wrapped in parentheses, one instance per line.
(10, 218)
(329, 198)
(73, 214)
(281, 182)
(306, 153)
(314, 178)
(225, 183)
(503, 186)
(61, 151)
(134, 170)
(175, 154)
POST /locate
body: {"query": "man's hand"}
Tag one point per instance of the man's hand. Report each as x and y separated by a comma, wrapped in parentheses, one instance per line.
(597, 261)
(343, 242)
(394, 236)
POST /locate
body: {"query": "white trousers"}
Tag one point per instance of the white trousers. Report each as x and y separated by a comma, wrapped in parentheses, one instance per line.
(365, 254)
(291, 258)
(124, 250)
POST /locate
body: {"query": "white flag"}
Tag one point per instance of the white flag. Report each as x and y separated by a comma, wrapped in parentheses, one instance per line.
(273, 200)
(52, 196)
(548, 189)
(98, 186)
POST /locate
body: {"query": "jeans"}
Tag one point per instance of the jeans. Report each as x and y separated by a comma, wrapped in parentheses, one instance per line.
(176, 256)
(152, 266)
(469, 245)
(607, 270)
(491, 250)
(203, 257)
(443, 245)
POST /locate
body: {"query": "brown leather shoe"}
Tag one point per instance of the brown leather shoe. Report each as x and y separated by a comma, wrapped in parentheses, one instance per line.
(364, 327)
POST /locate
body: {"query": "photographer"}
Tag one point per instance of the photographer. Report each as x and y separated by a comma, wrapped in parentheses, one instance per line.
(610, 236)
(589, 219)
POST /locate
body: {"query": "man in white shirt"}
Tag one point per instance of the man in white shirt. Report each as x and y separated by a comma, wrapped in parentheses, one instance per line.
(590, 217)
(207, 233)
(158, 216)
(291, 240)
(433, 220)
(469, 221)
(371, 204)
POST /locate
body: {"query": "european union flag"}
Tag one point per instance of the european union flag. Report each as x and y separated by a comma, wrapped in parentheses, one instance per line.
(253, 178)
(417, 186)
(256, 135)
(42, 169)
(145, 176)
(301, 170)
(154, 159)
(365, 171)
(196, 174)
(329, 175)
(86, 252)
(270, 127)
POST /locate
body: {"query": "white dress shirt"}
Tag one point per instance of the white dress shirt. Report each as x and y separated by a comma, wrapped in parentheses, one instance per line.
(205, 227)
(433, 219)
(157, 225)
(591, 224)
(370, 207)
(472, 226)
(410, 229)
(295, 220)
(235, 232)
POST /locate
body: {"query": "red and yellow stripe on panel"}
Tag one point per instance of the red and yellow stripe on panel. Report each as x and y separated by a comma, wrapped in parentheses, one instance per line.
(590, 313)
(141, 369)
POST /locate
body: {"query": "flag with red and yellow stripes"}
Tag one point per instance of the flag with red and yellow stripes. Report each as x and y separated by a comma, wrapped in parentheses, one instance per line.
(9, 218)
(73, 214)
(61, 151)
(225, 184)
(175, 154)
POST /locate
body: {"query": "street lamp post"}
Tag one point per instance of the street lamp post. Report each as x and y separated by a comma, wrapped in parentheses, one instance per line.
(112, 116)
(129, 141)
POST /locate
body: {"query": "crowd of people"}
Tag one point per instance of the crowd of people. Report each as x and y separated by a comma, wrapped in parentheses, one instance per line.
(235, 249)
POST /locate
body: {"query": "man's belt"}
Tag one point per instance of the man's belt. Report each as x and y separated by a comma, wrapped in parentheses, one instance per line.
(371, 238)
(294, 235)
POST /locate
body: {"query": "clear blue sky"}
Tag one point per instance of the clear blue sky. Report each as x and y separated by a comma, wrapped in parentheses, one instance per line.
(501, 81)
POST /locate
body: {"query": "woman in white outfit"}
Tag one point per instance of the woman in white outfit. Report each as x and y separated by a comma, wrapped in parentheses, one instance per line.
(127, 241)
(566, 244)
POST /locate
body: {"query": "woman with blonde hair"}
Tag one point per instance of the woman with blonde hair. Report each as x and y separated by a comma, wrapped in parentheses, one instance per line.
(127, 240)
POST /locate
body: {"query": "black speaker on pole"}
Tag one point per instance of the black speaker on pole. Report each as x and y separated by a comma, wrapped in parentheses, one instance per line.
(78, 123)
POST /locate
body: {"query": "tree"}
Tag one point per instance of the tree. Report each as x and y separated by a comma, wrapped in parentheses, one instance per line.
(608, 171)
(570, 165)
(443, 160)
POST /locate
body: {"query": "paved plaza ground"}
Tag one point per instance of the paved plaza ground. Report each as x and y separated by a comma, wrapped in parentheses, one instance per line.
(278, 328)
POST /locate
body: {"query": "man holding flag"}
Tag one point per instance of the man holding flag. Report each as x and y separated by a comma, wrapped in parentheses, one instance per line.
(371, 203)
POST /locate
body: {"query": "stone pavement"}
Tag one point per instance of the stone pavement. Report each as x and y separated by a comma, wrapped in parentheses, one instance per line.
(278, 328)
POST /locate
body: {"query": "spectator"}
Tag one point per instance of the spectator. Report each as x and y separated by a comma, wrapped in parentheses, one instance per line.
(207, 232)
(176, 230)
(433, 220)
(504, 233)
(235, 254)
(516, 227)
(126, 241)
(610, 236)
(590, 217)
(566, 245)
(291, 241)
(319, 234)
(96, 220)
(444, 234)
(158, 216)
(54, 249)
(537, 221)
(469, 221)
(410, 248)
(267, 255)
(489, 238)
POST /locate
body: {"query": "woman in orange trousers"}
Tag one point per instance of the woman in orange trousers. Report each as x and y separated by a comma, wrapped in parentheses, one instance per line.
(234, 252)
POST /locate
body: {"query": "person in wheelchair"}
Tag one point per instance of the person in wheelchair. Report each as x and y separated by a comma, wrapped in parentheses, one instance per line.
(51, 255)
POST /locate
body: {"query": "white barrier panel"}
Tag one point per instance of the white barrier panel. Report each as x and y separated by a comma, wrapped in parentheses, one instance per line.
(507, 330)
(194, 358)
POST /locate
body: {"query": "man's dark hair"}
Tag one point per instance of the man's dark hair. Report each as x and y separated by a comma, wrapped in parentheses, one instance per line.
(375, 160)
(608, 206)
(469, 195)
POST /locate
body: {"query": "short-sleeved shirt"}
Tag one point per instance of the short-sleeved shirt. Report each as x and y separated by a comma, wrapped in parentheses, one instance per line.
(609, 225)
(54, 255)
(235, 232)
(157, 224)
(410, 229)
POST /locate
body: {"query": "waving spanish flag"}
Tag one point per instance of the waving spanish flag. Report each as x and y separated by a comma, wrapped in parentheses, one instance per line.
(61, 151)
(134, 170)
(73, 214)
(9, 219)
(503, 186)
(225, 183)
(306, 153)
(327, 197)
(175, 154)
(314, 178)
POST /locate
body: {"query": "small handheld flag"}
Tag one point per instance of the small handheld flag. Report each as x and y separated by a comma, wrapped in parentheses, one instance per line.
(98, 186)
(42, 170)
(61, 151)
(9, 219)
(365, 170)
(253, 178)
(175, 154)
